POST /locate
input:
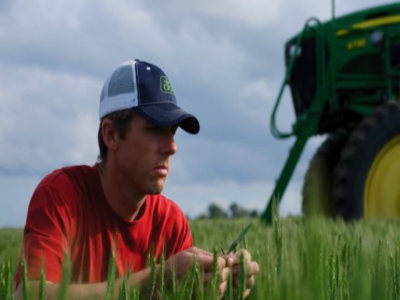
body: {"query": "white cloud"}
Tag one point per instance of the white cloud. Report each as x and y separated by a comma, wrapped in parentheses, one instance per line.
(45, 114)
(254, 98)
(84, 134)
(250, 12)
(15, 194)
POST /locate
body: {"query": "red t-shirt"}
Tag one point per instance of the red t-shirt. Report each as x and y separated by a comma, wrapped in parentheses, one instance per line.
(68, 213)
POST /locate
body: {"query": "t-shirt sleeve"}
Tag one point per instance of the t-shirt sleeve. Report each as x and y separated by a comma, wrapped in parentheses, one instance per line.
(46, 234)
(180, 234)
(185, 240)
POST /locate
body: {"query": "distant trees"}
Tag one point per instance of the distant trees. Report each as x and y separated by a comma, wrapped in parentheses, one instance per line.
(214, 211)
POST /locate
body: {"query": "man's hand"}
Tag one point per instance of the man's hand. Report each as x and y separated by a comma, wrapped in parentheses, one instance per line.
(251, 268)
(182, 262)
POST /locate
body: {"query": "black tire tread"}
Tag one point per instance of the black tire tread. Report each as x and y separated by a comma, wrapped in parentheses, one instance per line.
(344, 205)
(320, 172)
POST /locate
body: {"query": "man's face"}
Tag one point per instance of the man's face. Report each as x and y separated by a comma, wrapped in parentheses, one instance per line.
(143, 156)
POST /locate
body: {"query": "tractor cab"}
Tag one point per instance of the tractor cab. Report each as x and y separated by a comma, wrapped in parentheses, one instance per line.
(341, 73)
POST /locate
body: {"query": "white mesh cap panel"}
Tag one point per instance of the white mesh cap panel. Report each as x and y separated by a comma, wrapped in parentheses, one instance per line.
(120, 90)
(121, 82)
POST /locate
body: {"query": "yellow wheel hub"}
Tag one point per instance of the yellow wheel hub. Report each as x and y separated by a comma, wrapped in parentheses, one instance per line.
(382, 189)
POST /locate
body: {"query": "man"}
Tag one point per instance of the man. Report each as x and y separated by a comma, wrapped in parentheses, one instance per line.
(115, 207)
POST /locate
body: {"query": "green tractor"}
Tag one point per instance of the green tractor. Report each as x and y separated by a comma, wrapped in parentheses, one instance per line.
(344, 79)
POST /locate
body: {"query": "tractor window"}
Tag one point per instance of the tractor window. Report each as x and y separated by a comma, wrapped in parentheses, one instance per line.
(303, 77)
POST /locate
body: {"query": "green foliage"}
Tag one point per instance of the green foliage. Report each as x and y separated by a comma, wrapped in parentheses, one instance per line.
(315, 258)
(63, 290)
(214, 211)
(42, 286)
(153, 278)
(10, 244)
(162, 274)
(6, 280)
(111, 276)
(298, 258)
(242, 278)
(25, 286)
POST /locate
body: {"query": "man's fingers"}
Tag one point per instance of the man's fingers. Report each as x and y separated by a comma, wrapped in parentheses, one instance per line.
(234, 258)
(206, 262)
(250, 282)
(222, 289)
(196, 250)
(205, 259)
(224, 274)
(246, 293)
(251, 268)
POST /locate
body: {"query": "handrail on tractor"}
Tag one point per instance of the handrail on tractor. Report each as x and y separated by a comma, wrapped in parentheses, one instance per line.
(274, 129)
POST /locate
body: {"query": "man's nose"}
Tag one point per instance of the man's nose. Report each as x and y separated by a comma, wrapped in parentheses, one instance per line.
(169, 146)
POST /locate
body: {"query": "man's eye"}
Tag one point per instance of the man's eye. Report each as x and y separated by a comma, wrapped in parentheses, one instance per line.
(153, 128)
(158, 129)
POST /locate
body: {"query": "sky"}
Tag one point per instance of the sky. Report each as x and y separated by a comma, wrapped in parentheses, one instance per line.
(223, 58)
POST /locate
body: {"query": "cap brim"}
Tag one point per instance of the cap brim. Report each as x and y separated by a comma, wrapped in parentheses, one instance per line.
(168, 114)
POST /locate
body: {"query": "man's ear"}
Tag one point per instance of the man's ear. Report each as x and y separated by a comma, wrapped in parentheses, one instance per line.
(109, 134)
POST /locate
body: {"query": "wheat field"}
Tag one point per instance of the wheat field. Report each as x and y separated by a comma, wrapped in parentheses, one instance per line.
(299, 259)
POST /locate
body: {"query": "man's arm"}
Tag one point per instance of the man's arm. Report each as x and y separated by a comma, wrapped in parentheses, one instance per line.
(84, 290)
(180, 264)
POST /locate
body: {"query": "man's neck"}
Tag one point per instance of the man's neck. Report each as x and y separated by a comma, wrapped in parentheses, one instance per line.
(119, 194)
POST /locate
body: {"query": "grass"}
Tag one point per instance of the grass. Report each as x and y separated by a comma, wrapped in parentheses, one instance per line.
(298, 258)
(10, 244)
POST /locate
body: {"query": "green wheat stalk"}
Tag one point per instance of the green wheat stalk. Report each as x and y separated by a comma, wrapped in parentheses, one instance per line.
(5, 281)
(148, 259)
(242, 277)
(192, 278)
(182, 288)
(153, 277)
(173, 283)
(66, 277)
(25, 289)
(123, 291)
(215, 275)
(229, 288)
(241, 235)
(162, 273)
(134, 294)
(199, 285)
(42, 285)
(111, 276)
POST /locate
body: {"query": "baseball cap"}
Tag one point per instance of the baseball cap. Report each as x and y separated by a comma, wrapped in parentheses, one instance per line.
(145, 88)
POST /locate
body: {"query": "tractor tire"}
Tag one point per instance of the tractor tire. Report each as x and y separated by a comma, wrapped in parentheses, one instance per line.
(318, 181)
(367, 177)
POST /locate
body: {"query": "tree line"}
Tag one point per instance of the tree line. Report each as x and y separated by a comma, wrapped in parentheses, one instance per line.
(214, 211)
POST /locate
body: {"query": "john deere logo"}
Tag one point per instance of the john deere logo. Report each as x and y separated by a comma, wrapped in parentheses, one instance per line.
(165, 86)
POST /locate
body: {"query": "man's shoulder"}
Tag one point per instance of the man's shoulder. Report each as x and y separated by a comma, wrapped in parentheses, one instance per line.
(68, 182)
(66, 174)
(64, 187)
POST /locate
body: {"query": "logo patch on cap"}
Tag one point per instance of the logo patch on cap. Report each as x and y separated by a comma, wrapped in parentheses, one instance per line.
(165, 86)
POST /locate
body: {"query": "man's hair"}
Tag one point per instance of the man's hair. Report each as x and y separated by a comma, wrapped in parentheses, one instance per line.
(121, 120)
